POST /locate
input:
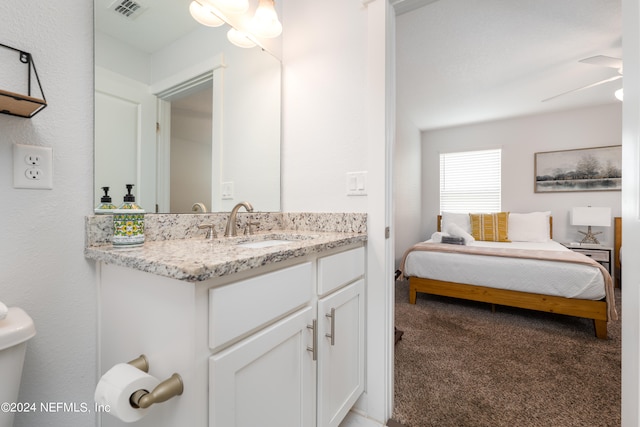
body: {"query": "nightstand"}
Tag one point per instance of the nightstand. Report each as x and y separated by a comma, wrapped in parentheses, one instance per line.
(599, 253)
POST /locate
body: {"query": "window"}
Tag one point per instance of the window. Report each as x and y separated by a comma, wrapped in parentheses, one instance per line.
(470, 181)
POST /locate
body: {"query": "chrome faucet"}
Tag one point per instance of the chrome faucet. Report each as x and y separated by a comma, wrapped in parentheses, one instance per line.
(231, 229)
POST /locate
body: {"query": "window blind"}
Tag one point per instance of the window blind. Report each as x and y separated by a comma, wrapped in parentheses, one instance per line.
(470, 181)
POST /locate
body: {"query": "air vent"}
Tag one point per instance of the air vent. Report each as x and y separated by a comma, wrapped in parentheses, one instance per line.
(127, 8)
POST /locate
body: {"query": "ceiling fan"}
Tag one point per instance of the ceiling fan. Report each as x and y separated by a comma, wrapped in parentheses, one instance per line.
(600, 60)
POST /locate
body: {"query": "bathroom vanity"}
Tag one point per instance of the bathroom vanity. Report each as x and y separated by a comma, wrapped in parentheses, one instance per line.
(264, 330)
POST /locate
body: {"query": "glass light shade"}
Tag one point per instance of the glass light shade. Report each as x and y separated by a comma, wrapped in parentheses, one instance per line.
(203, 15)
(232, 6)
(618, 94)
(240, 39)
(588, 216)
(265, 22)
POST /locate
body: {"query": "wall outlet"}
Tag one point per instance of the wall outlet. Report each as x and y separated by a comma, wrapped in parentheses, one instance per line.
(32, 167)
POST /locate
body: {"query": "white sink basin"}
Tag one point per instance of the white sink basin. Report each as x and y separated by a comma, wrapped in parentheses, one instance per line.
(264, 243)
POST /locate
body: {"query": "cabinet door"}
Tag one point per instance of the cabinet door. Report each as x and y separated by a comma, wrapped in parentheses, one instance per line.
(267, 379)
(341, 363)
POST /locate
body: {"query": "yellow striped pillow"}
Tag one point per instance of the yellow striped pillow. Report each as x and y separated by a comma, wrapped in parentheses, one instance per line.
(490, 227)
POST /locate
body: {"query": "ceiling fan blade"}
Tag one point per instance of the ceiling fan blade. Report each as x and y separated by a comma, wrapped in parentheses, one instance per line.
(605, 61)
(584, 87)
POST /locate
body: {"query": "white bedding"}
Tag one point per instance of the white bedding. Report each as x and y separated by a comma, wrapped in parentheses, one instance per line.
(569, 280)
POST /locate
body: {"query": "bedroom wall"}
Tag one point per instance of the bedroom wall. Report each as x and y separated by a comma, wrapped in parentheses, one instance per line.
(519, 139)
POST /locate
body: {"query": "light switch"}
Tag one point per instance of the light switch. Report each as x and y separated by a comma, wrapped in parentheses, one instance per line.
(227, 190)
(352, 182)
(356, 183)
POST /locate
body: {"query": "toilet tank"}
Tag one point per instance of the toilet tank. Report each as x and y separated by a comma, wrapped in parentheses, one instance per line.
(15, 329)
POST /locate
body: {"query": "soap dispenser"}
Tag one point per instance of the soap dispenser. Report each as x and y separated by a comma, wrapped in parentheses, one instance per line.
(128, 222)
(105, 206)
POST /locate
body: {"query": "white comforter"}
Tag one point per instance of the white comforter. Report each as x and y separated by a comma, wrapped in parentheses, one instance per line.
(569, 280)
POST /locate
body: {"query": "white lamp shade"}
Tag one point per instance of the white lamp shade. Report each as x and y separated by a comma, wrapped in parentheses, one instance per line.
(265, 22)
(597, 217)
(240, 39)
(203, 15)
(232, 6)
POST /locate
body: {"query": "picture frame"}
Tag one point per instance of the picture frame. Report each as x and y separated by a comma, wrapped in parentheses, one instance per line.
(583, 169)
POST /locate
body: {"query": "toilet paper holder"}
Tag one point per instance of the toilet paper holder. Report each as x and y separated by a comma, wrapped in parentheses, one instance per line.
(164, 391)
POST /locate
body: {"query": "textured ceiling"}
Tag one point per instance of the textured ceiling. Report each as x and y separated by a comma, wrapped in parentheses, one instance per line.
(466, 61)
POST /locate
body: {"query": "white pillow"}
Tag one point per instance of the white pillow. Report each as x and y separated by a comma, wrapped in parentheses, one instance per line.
(437, 237)
(455, 230)
(461, 219)
(529, 227)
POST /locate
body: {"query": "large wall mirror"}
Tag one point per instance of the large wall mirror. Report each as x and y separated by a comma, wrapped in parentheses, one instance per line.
(188, 118)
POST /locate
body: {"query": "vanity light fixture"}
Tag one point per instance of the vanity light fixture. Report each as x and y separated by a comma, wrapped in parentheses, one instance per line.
(618, 94)
(240, 38)
(213, 13)
(265, 22)
(204, 14)
(233, 6)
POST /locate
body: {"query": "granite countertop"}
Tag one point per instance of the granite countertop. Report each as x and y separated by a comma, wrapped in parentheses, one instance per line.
(198, 259)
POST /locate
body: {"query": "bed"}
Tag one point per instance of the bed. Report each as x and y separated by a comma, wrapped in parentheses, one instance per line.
(530, 272)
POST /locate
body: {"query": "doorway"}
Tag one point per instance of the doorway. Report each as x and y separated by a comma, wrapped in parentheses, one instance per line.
(186, 147)
(190, 153)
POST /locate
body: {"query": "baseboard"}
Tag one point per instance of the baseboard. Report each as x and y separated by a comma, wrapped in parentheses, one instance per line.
(353, 419)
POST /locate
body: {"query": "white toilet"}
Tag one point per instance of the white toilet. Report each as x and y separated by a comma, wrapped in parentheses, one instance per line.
(16, 327)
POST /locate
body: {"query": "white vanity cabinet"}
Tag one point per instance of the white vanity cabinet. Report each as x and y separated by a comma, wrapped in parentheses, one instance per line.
(276, 377)
(340, 335)
(244, 344)
(340, 353)
(267, 378)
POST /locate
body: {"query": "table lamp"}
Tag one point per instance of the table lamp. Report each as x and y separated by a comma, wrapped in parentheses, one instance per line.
(590, 216)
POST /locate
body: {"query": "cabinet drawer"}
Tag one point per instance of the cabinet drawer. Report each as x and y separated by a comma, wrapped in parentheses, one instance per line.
(243, 307)
(339, 269)
(597, 255)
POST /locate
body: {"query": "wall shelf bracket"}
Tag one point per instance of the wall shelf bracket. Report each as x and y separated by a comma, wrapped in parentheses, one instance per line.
(17, 104)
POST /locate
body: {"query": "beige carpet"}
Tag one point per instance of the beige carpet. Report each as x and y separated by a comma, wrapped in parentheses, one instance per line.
(458, 364)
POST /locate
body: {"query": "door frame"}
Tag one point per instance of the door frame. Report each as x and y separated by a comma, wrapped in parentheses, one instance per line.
(175, 86)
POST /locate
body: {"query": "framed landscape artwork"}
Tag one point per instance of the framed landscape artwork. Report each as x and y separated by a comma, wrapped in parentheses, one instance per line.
(588, 169)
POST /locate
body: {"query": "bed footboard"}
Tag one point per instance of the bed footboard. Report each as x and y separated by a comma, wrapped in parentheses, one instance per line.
(596, 310)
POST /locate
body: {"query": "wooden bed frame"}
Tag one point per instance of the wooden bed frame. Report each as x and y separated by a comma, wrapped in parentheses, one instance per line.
(596, 310)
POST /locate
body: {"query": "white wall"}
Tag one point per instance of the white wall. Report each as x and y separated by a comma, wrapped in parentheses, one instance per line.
(336, 94)
(519, 139)
(120, 58)
(42, 268)
(324, 115)
(190, 159)
(252, 129)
